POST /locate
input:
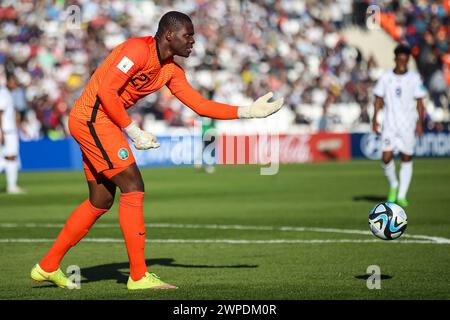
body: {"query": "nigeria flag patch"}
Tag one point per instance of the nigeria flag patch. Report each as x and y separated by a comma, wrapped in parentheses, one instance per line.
(123, 154)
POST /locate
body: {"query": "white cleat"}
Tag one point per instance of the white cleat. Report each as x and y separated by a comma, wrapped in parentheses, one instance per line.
(210, 169)
(15, 190)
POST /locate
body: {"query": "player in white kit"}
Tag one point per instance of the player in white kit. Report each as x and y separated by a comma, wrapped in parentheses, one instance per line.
(401, 92)
(9, 138)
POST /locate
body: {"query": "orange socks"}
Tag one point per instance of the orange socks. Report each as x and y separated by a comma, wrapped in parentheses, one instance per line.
(76, 227)
(131, 219)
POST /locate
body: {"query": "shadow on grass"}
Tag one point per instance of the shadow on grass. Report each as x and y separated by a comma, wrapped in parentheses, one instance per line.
(370, 198)
(116, 271)
(119, 271)
(47, 285)
(366, 276)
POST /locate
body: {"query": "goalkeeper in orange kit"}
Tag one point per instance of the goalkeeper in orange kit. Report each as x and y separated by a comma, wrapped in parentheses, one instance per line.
(98, 120)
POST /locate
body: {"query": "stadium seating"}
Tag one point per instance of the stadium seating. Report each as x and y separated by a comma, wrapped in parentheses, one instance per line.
(304, 56)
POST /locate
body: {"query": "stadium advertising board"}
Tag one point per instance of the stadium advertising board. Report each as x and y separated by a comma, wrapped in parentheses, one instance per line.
(187, 149)
(289, 148)
(174, 150)
(46, 154)
(429, 145)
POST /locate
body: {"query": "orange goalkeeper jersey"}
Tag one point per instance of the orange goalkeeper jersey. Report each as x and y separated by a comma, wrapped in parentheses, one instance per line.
(131, 71)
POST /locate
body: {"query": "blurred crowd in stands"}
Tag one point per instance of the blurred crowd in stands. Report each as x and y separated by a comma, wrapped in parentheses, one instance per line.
(243, 49)
(424, 26)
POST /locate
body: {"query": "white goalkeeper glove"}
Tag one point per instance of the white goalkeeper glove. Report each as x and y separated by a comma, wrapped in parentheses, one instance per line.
(142, 140)
(261, 108)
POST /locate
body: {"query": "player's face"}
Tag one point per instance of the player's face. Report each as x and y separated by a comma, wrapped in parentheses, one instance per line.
(12, 83)
(183, 40)
(401, 62)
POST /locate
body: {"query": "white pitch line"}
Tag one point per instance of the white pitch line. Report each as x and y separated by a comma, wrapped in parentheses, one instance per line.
(230, 227)
(228, 241)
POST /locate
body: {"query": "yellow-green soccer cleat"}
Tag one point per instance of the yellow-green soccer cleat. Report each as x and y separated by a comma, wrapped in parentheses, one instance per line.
(148, 281)
(402, 203)
(392, 196)
(57, 277)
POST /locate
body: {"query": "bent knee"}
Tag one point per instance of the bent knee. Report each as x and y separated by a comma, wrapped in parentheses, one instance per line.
(386, 158)
(406, 157)
(102, 203)
(135, 186)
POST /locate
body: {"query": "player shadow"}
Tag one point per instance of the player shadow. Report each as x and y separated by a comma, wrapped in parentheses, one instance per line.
(369, 198)
(45, 286)
(366, 276)
(119, 271)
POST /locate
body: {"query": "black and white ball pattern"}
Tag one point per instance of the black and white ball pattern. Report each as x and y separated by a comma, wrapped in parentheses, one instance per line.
(387, 221)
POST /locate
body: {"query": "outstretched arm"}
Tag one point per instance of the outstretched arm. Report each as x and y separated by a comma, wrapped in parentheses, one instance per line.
(204, 107)
(180, 87)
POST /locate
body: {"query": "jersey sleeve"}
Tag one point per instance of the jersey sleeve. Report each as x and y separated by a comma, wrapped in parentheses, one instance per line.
(180, 87)
(379, 89)
(419, 88)
(131, 58)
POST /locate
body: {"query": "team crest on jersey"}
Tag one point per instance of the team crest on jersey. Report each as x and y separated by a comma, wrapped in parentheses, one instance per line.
(123, 154)
(398, 91)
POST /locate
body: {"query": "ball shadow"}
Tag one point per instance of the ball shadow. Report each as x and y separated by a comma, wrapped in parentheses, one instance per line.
(370, 198)
(366, 276)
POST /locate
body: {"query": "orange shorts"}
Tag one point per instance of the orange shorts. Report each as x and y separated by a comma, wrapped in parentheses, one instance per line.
(106, 151)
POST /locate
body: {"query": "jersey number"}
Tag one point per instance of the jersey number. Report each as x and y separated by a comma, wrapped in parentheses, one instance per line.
(139, 81)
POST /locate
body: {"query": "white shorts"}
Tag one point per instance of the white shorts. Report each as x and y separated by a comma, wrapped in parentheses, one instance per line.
(403, 142)
(11, 146)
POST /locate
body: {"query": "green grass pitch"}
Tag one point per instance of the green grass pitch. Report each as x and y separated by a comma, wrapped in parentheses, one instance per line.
(220, 236)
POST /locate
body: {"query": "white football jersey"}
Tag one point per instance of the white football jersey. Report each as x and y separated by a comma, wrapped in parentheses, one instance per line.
(9, 113)
(399, 93)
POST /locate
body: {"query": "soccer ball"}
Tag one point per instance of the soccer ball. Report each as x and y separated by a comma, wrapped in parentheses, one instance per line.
(387, 221)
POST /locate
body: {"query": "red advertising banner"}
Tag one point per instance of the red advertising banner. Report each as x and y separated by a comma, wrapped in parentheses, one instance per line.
(330, 146)
(264, 149)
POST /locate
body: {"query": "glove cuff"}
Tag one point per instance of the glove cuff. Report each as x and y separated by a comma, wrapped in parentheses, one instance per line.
(132, 130)
(244, 113)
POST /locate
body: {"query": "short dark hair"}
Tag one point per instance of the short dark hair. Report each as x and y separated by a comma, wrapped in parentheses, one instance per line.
(402, 48)
(172, 20)
(9, 75)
